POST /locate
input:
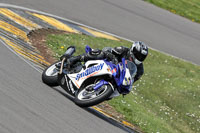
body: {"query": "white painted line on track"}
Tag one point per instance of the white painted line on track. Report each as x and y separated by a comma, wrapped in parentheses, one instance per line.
(71, 21)
(20, 56)
(25, 60)
(33, 66)
(58, 17)
(30, 64)
(55, 16)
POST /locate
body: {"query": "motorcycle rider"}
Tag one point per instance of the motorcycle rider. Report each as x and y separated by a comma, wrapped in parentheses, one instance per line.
(137, 53)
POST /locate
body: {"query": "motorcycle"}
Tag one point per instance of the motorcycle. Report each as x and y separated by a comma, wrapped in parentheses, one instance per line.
(92, 82)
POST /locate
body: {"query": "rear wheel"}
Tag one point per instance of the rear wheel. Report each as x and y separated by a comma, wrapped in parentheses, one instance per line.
(50, 75)
(87, 96)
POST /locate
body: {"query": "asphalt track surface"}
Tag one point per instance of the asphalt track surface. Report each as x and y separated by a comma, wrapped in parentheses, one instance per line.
(27, 105)
(132, 19)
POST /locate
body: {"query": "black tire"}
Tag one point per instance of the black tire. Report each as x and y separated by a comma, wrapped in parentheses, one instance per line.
(94, 101)
(50, 80)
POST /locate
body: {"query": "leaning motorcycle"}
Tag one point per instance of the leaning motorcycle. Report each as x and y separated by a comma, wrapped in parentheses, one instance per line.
(92, 82)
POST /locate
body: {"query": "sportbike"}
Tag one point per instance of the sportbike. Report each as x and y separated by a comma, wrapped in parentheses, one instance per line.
(92, 82)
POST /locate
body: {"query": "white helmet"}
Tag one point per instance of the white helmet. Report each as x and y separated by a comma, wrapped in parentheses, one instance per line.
(138, 52)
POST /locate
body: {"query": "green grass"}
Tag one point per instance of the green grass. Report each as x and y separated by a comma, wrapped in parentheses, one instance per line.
(59, 43)
(186, 8)
(165, 100)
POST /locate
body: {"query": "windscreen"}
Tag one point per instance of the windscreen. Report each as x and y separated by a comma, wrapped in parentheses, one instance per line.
(132, 68)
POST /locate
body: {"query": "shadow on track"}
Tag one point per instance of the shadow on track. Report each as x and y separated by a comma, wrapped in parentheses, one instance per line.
(96, 113)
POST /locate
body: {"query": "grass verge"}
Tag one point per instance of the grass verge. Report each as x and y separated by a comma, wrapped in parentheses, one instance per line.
(186, 8)
(165, 100)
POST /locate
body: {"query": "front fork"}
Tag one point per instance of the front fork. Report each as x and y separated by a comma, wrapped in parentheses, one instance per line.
(61, 67)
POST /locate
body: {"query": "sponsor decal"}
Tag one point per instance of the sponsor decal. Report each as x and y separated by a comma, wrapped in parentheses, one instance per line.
(89, 71)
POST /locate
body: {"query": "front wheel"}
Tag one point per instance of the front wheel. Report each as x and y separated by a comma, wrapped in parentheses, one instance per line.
(50, 75)
(87, 96)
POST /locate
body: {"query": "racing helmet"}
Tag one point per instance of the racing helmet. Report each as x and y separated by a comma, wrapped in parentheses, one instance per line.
(138, 52)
